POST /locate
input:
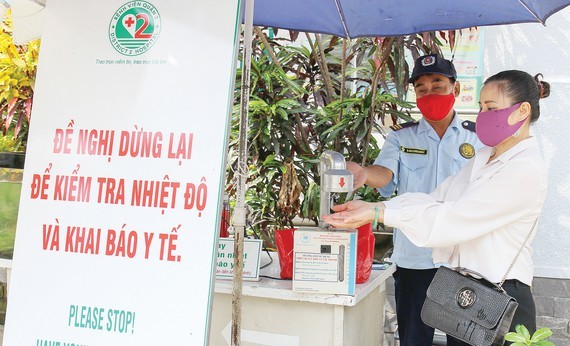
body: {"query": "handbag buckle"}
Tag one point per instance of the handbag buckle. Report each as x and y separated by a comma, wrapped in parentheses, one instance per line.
(466, 297)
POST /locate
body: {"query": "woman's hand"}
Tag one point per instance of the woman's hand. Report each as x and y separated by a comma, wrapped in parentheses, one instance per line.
(354, 214)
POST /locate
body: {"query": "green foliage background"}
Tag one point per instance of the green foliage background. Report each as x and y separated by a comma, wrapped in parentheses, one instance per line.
(18, 66)
(325, 94)
(10, 187)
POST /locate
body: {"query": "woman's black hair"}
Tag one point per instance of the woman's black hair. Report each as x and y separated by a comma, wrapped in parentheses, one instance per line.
(522, 87)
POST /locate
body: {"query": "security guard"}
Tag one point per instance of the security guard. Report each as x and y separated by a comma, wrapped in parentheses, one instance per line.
(416, 157)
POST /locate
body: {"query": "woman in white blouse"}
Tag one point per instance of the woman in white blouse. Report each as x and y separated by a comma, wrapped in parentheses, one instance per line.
(486, 212)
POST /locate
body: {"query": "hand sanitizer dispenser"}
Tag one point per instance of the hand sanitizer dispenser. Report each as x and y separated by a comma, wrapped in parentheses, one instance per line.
(334, 178)
(325, 257)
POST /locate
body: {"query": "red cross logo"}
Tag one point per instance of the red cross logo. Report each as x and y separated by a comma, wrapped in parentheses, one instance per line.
(129, 22)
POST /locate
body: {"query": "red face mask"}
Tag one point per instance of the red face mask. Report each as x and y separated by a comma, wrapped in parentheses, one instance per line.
(436, 107)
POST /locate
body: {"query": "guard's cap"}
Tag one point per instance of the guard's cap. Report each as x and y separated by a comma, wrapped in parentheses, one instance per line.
(433, 63)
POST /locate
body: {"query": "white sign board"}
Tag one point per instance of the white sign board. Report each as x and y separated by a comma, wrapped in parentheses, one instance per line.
(121, 195)
(251, 259)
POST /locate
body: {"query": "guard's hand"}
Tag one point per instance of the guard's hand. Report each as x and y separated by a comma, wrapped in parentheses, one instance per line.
(358, 172)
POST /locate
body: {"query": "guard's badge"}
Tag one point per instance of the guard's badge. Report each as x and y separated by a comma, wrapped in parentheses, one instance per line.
(428, 60)
(466, 150)
(413, 151)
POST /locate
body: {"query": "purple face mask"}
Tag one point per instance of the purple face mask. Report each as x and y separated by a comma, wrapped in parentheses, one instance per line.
(492, 127)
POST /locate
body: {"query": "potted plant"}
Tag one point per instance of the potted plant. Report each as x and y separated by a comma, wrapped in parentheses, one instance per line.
(18, 65)
(301, 105)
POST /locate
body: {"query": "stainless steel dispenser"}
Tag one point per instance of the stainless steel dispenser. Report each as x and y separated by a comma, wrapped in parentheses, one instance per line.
(334, 178)
(325, 257)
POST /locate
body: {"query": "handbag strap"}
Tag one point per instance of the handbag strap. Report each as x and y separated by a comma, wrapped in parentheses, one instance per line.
(463, 270)
(512, 263)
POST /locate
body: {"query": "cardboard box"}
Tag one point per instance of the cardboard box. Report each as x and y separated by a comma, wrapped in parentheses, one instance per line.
(324, 261)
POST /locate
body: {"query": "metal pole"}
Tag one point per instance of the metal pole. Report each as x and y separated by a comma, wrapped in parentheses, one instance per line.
(240, 211)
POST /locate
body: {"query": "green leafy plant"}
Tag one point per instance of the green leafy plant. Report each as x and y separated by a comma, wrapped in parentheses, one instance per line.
(18, 66)
(10, 143)
(325, 94)
(522, 337)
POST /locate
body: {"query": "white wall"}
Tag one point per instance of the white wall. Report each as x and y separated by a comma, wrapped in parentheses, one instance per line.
(538, 49)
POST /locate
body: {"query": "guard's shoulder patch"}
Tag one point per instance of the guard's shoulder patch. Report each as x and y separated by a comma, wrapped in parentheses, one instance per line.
(468, 125)
(397, 127)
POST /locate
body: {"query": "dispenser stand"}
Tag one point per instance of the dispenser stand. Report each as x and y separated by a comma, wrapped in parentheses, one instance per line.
(325, 257)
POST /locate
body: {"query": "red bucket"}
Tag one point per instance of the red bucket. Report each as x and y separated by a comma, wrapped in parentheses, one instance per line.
(364, 256)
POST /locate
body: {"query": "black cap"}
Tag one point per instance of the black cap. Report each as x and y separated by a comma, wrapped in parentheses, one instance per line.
(433, 63)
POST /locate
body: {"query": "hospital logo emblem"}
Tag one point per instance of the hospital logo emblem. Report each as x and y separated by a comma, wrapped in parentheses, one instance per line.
(134, 28)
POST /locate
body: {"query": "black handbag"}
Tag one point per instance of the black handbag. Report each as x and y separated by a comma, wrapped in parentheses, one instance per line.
(472, 310)
(475, 311)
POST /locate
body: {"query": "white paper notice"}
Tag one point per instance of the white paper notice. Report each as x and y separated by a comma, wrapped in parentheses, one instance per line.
(121, 195)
